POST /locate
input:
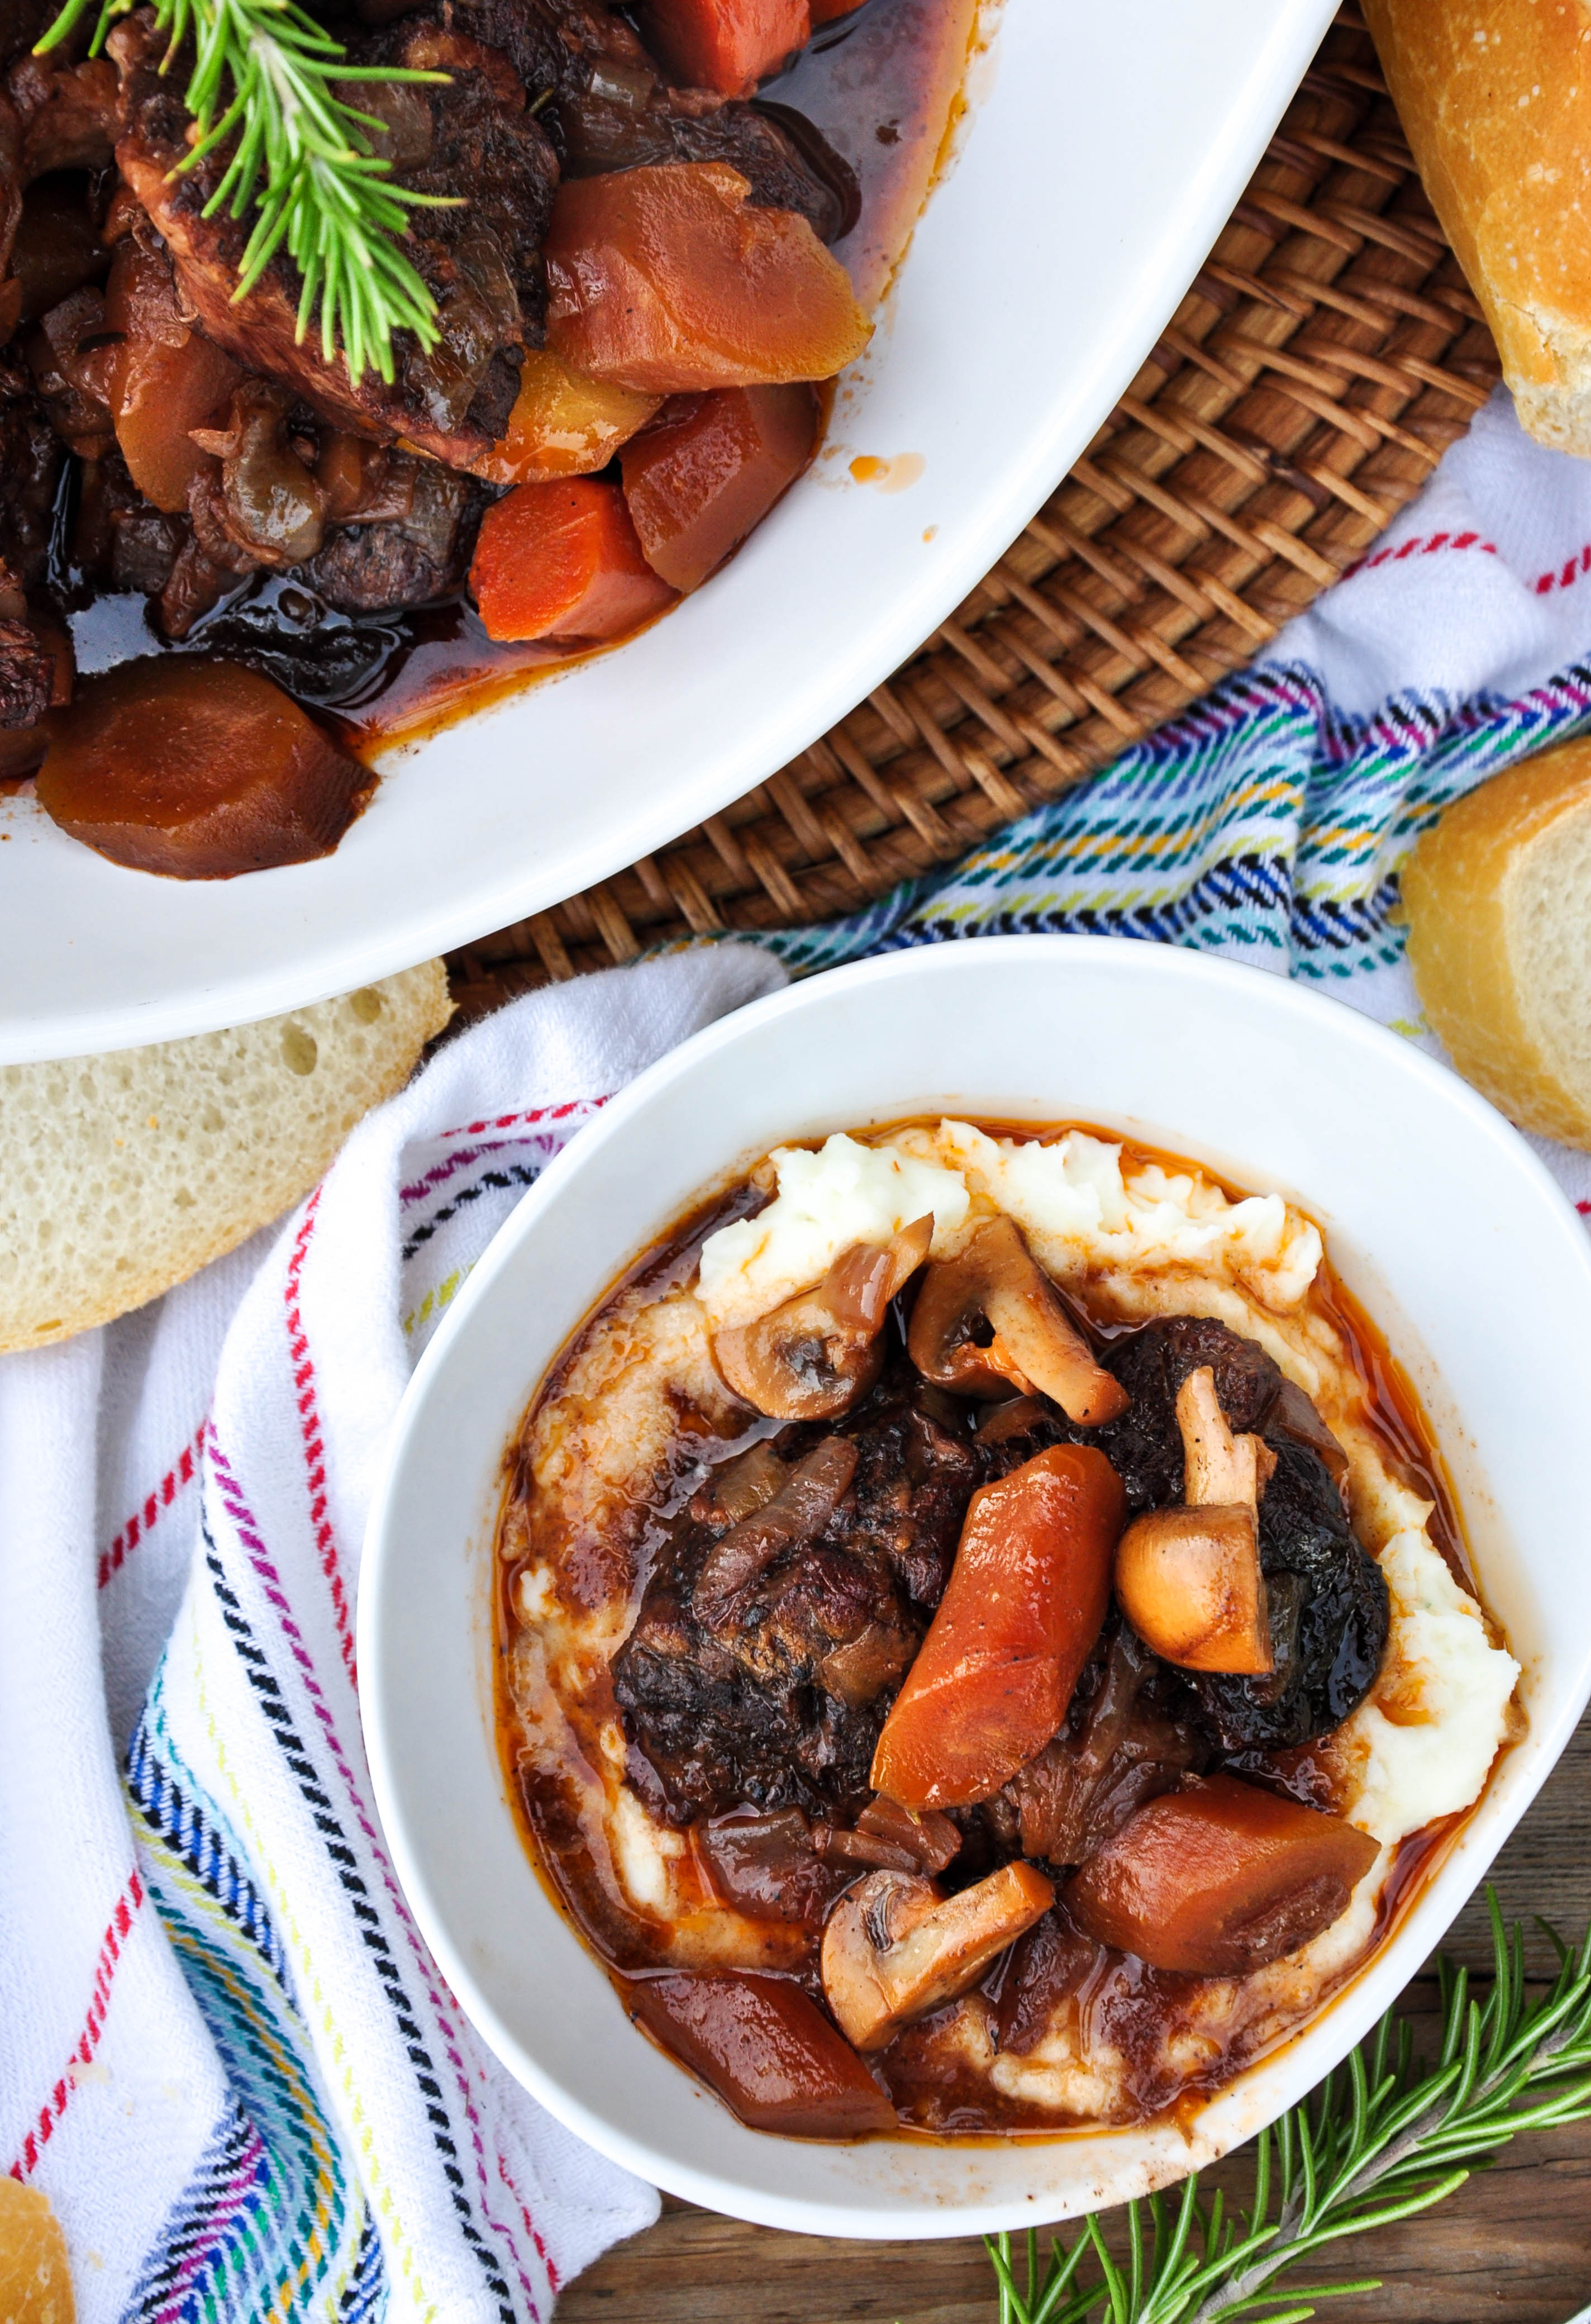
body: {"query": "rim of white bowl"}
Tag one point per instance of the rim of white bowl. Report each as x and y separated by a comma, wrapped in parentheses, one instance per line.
(1346, 2017)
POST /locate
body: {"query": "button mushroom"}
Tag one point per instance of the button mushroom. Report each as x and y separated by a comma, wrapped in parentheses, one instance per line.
(819, 1352)
(997, 1282)
(1189, 1579)
(895, 1947)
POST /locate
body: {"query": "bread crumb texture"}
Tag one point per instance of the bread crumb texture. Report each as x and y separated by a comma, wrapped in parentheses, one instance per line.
(121, 1175)
(1498, 900)
(35, 2284)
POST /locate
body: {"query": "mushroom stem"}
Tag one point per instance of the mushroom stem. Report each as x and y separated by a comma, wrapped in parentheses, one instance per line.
(1035, 1343)
(817, 1354)
(895, 1949)
(1219, 1468)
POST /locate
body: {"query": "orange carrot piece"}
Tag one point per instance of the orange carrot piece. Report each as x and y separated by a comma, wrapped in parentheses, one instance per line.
(561, 561)
(1220, 1879)
(726, 45)
(696, 484)
(668, 280)
(767, 2050)
(1026, 1599)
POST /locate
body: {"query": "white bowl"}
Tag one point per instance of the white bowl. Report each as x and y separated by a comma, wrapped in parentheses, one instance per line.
(1438, 1216)
(1104, 150)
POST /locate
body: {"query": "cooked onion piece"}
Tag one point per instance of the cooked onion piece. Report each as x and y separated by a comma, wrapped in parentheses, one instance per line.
(996, 1281)
(667, 281)
(1220, 1879)
(797, 1512)
(561, 424)
(1189, 1579)
(817, 1354)
(1024, 1604)
(895, 1949)
(769, 2053)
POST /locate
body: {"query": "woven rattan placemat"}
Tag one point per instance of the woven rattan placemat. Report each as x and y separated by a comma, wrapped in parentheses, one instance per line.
(1325, 357)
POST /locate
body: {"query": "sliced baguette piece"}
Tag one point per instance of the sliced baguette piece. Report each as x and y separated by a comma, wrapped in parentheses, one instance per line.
(1498, 900)
(1494, 97)
(121, 1175)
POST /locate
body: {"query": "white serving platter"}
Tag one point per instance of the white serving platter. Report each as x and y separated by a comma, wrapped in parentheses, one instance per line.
(1104, 149)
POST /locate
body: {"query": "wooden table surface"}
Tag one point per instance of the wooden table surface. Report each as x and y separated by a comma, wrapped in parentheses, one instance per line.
(1514, 2244)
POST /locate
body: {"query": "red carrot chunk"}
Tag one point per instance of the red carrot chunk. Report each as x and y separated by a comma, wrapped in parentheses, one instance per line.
(561, 560)
(766, 2050)
(1026, 1600)
(1220, 1879)
(668, 280)
(201, 769)
(698, 482)
(726, 45)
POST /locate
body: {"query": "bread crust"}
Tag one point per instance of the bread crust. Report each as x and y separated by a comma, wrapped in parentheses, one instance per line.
(1495, 98)
(1468, 947)
(123, 1175)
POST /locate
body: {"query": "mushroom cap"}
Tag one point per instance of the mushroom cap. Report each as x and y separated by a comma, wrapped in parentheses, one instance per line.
(1035, 1343)
(816, 1355)
(1189, 1582)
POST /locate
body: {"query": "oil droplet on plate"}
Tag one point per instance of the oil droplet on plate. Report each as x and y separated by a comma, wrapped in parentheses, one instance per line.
(932, 533)
(888, 476)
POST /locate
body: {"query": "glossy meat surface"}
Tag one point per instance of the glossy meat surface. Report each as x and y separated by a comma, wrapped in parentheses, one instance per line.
(779, 1702)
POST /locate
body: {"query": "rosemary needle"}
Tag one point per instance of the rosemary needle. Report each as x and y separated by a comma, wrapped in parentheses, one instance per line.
(266, 80)
(1384, 2136)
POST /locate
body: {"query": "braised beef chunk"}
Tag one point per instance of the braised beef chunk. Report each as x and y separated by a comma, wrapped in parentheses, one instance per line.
(772, 1637)
(474, 136)
(30, 465)
(613, 108)
(408, 559)
(27, 671)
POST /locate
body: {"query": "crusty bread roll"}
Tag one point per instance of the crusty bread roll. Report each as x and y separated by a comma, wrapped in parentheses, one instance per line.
(35, 2284)
(121, 1174)
(1498, 898)
(1496, 97)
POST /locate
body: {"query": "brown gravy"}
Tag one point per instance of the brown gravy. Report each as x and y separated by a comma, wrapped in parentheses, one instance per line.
(1126, 2004)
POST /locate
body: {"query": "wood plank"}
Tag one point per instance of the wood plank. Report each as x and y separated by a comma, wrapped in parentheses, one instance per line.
(1513, 2246)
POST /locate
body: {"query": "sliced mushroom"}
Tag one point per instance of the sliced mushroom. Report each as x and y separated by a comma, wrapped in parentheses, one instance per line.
(1189, 1579)
(895, 1949)
(996, 1281)
(797, 1512)
(819, 1353)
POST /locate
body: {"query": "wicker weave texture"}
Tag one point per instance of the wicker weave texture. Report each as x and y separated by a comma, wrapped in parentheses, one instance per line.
(1323, 359)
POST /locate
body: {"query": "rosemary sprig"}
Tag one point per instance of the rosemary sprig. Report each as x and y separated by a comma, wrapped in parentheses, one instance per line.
(1384, 2137)
(265, 75)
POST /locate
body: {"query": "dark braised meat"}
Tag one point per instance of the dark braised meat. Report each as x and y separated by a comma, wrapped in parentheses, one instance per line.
(27, 673)
(476, 135)
(771, 1639)
(409, 559)
(30, 465)
(613, 108)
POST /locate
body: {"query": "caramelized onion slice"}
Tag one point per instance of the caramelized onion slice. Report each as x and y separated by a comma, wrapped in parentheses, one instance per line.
(1219, 1879)
(996, 1281)
(766, 2050)
(1189, 1582)
(797, 1512)
(1024, 1603)
(895, 1949)
(814, 1356)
